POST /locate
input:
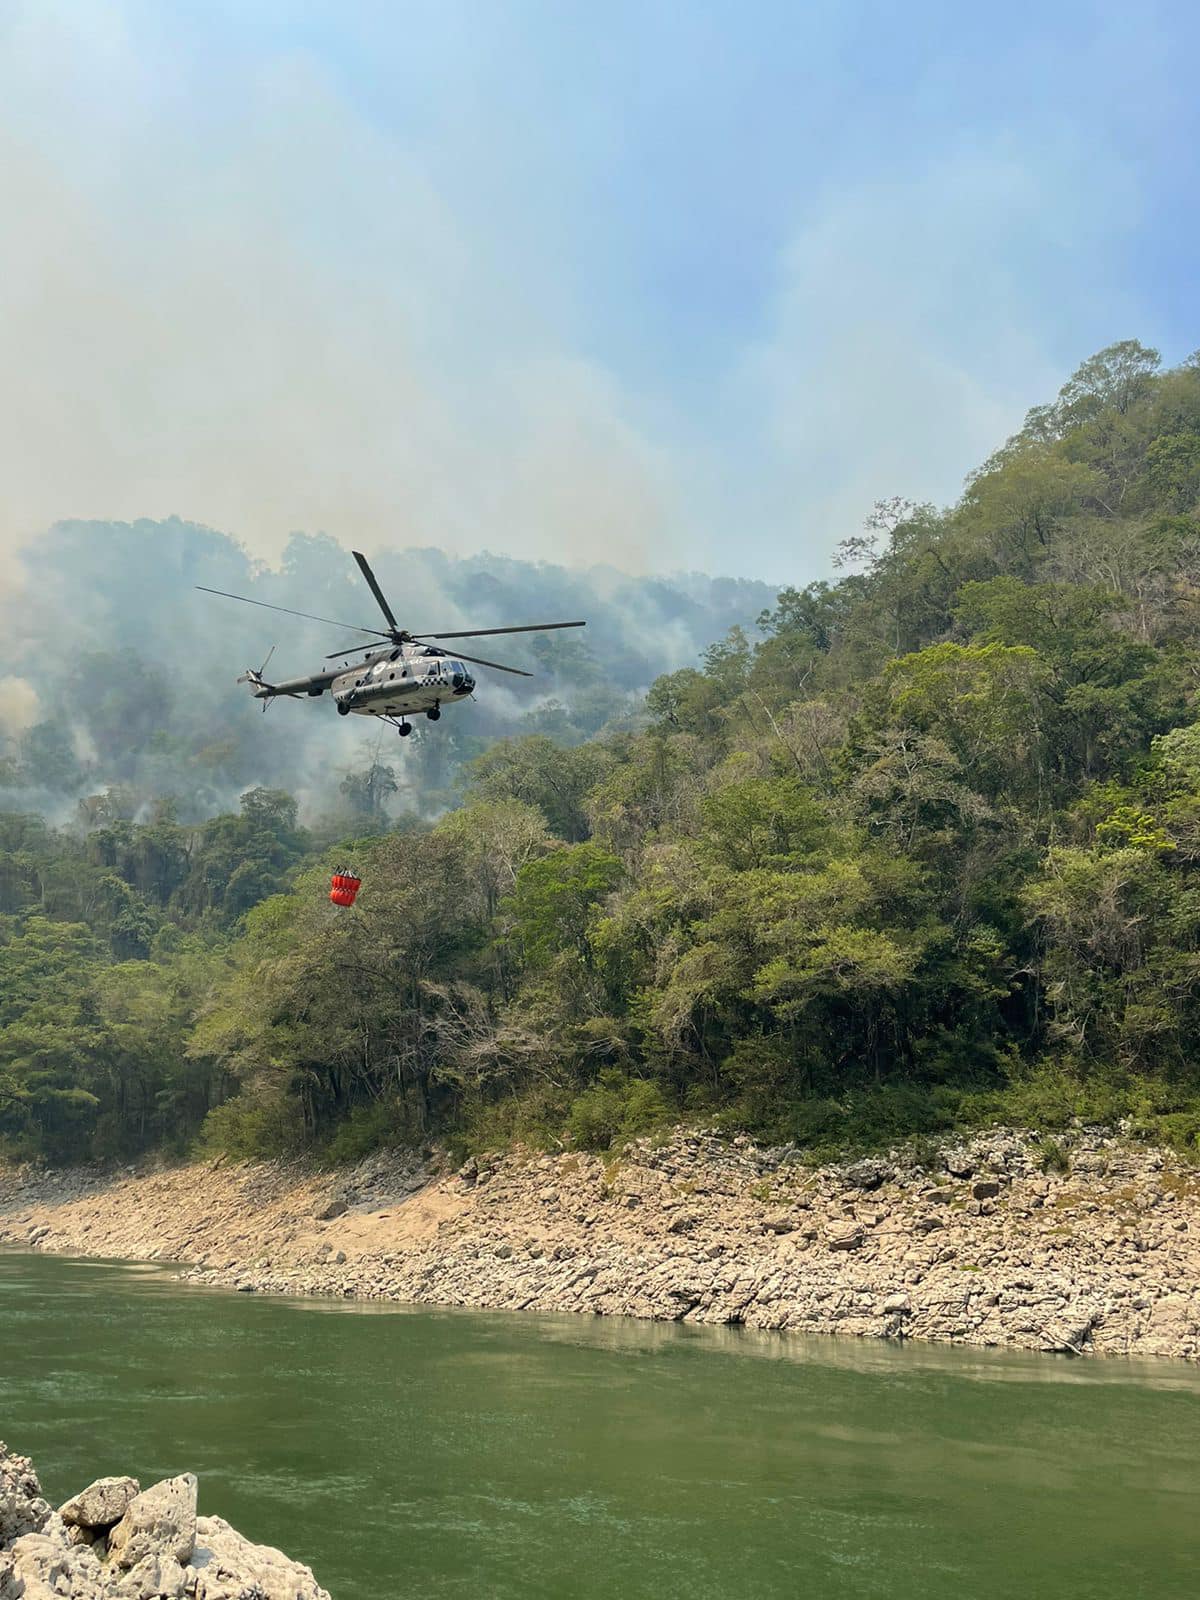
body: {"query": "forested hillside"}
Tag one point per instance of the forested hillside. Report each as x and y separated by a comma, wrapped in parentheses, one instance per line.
(915, 848)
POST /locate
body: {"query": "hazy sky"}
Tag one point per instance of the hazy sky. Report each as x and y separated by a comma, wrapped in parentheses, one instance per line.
(670, 285)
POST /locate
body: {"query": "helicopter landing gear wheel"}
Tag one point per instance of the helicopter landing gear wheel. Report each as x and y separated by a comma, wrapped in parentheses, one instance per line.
(404, 729)
(434, 713)
(343, 708)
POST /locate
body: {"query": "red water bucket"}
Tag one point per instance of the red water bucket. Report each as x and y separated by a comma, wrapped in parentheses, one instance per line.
(343, 887)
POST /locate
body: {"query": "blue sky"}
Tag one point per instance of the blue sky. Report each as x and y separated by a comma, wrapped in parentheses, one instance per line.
(672, 285)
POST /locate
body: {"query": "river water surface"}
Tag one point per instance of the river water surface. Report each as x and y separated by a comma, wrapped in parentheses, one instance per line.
(416, 1453)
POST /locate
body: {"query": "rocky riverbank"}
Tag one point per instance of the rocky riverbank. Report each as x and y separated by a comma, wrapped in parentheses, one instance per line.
(1088, 1244)
(114, 1539)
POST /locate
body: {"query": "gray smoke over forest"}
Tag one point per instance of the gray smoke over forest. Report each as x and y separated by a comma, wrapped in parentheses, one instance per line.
(118, 678)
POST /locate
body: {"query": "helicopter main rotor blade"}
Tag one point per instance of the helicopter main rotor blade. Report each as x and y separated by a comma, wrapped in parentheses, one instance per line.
(267, 606)
(478, 661)
(479, 633)
(365, 568)
(353, 649)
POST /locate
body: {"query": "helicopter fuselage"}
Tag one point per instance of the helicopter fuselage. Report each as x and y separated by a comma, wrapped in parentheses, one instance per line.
(401, 681)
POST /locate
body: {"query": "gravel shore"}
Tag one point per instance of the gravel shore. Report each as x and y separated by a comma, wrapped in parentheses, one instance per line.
(989, 1243)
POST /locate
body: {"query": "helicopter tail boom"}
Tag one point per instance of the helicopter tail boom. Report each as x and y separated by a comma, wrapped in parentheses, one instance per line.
(315, 684)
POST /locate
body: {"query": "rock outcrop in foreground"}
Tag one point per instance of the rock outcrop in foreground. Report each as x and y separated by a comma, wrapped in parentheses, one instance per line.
(1088, 1244)
(114, 1541)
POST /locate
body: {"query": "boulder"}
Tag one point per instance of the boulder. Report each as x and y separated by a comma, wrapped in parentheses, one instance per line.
(684, 1222)
(43, 1566)
(228, 1566)
(985, 1189)
(153, 1578)
(161, 1521)
(779, 1224)
(101, 1504)
(22, 1508)
(844, 1236)
(1070, 1333)
(867, 1174)
(333, 1208)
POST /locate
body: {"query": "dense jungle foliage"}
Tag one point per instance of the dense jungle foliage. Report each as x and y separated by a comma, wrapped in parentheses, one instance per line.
(920, 847)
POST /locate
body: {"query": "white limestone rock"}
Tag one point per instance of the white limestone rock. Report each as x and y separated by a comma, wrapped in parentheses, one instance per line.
(38, 1566)
(227, 1567)
(153, 1578)
(101, 1504)
(161, 1521)
(22, 1508)
(157, 1550)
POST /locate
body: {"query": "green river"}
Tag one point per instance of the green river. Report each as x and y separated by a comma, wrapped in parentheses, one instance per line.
(407, 1453)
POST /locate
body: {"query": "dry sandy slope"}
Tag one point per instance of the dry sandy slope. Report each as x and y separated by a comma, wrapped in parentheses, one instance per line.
(987, 1250)
(220, 1215)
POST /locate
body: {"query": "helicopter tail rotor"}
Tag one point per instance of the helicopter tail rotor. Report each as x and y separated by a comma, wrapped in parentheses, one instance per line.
(254, 675)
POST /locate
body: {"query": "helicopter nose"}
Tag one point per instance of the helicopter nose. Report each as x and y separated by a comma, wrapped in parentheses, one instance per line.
(462, 682)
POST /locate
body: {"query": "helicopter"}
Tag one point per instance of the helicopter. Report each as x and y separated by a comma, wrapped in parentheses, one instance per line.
(401, 674)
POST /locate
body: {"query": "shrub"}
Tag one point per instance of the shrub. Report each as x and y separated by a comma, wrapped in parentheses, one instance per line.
(532, 1117)
(367, 1128)
(1054, 1157)
(616, 1108)
(251, 1129)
